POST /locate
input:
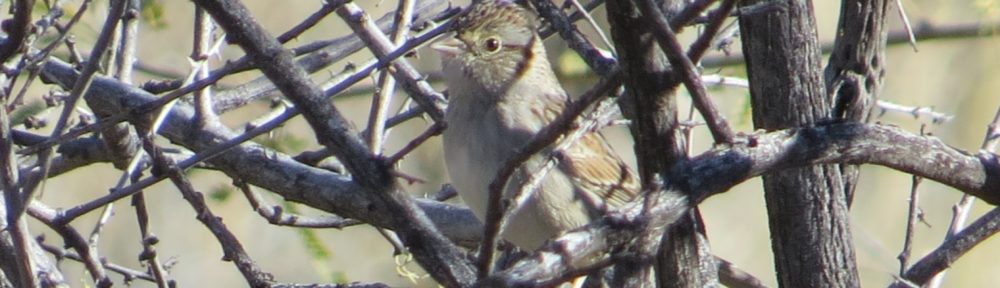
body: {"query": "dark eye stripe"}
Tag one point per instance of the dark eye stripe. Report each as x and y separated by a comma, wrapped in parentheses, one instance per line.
(511, 46)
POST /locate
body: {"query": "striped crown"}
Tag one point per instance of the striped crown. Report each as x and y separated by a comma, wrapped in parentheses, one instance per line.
(486, 12)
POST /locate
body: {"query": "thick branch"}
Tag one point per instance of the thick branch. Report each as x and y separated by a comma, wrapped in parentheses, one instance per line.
(262, 167)
(953, 248)
(716, 171)
(710, 173)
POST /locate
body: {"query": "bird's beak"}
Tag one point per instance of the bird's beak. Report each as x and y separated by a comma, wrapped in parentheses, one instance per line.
(448, 47)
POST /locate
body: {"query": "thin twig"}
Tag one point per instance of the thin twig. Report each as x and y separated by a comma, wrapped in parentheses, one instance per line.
(717, 124)
(689, 13)
(962, 209)
(380, 105)
(278, 216)
(698, 49)
(597, 60)
(79, 210)
(320, 54)
(716, 19)
(201, 50)
(148, 240)
(16, 227)
(593, 23)
(434, 130)
(233, 250)
(951, 249)
(63, 35)
(992, 138)
(72, 238)
(129, 31)
(917, 112)
(906, 25)
(130, 274)
(911, 224)
(125, 63)
(413, 81)
(923, 31)
(328, 7)
(151, 106)
(386, 83)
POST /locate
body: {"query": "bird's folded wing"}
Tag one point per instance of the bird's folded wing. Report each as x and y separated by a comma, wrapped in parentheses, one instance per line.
(603, 177)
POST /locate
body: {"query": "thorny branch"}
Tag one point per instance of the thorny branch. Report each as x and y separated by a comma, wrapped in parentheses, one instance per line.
(708, 174)
(712, 172)
(439, 256)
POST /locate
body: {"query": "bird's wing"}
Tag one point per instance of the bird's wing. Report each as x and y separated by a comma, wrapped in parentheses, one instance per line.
(603, 177)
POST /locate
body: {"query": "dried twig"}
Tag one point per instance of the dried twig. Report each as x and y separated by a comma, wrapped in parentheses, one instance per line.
(668, 42)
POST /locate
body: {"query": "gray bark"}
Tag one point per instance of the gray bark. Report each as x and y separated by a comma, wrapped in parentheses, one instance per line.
(807, 207)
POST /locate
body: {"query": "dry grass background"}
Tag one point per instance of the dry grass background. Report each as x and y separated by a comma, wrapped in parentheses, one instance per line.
(958, 77)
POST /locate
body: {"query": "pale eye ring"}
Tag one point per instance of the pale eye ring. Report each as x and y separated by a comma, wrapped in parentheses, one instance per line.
(492, 44)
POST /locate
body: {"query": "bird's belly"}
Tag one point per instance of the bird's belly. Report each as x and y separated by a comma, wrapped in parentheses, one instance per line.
(473, 162)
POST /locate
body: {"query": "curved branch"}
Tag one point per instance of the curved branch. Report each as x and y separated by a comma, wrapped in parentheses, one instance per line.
(710, 173)
(718, 170)
(948, 252)
(853, 143)
(262, 167)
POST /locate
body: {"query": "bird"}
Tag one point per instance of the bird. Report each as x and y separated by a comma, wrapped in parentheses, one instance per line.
(502, 91)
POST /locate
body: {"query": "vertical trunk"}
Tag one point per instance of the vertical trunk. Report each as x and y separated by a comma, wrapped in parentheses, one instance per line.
(807, 207)
(856, 68)
(651, 104)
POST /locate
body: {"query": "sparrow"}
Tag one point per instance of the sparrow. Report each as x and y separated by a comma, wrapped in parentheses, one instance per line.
(502, 92)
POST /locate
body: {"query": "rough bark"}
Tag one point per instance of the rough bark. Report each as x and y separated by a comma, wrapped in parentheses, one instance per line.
(807, 207)
(856, 68)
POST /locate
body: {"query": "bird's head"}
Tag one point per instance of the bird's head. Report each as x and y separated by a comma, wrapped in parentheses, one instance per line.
(494, 44)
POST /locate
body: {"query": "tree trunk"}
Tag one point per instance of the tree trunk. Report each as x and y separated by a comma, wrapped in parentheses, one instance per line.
(807, 207)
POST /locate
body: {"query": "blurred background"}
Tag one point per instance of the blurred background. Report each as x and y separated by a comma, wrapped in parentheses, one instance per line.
(959, 77)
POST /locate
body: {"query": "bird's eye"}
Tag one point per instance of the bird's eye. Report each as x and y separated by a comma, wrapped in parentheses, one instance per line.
(491, 44)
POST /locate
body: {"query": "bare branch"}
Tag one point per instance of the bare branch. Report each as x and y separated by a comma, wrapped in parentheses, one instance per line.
(717, 124)
(420, 91)
(925, 31)
(74, 239)
(977, 174)
(277, 216)
(952, 248)
(751, 156)
(233, 250)
(436, 254)
(130, 274)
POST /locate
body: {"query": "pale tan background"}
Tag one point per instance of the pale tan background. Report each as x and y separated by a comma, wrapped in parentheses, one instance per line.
(961, 78)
